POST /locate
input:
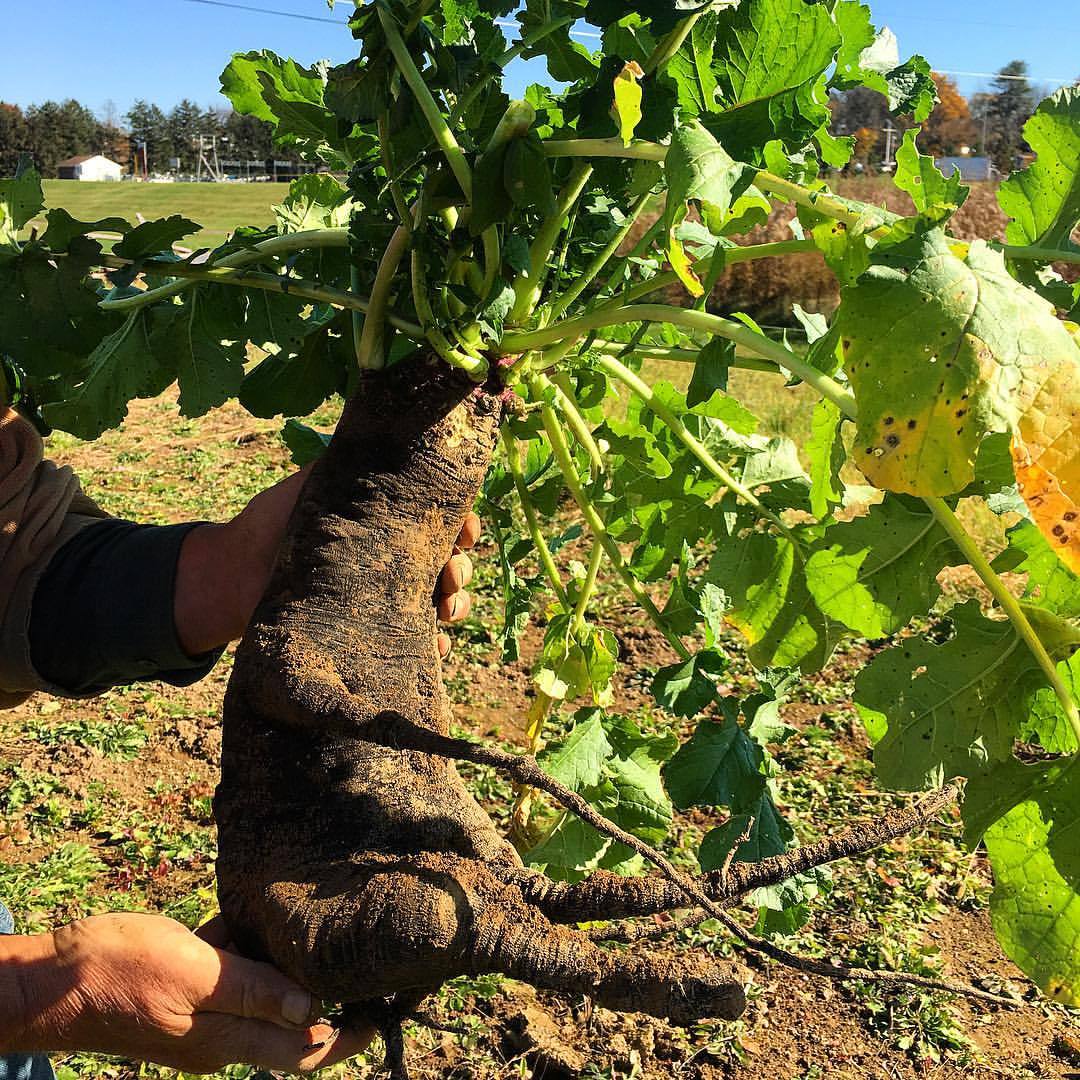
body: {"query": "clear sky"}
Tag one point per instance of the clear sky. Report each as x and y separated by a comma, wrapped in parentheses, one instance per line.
(163, 50)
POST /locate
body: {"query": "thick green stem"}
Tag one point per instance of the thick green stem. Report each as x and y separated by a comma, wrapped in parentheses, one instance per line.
(299, 289)
(729, 257)
(370, 353)
(276, 245)
(528, 286)
(692, 320)
(564, 394)
(679, 356)
(543, 552)
(444, 137)
(596, 525)
(1012, 607)
(588, 587)
(601, 259)
(675, 424)
(584, 148)
(1038, 254)
(670, 44)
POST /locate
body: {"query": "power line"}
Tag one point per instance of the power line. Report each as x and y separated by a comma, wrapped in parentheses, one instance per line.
(268, 11)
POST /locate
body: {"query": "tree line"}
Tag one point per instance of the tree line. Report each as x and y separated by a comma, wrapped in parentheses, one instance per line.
(988, 124)
(54, 131)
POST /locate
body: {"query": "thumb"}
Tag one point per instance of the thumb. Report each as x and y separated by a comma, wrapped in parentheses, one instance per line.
(257, 991)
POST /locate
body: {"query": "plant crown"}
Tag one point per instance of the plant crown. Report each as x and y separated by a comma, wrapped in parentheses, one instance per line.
(529, 241)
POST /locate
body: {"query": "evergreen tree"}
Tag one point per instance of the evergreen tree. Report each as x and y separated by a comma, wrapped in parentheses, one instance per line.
(1011, 103)
(149, 126)
(14, 138)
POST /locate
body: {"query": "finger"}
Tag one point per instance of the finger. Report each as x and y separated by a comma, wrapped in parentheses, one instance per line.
(470, 532)
(215, 932)
(257, 991)
(456, 574)
(214, 1041)
(454, 608)
(444, 645)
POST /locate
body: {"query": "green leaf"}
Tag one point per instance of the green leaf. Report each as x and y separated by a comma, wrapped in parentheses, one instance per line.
(1035, 906)
(293, 384)
(720, 765)
(305, 443)
(527, 174)
(21, 200)
(204, 344)
(123, 367)
(281, 92)
(63, 228)
(825, 450)
(710, 371)
(1043, 200)
(940, 711)
(770, 603)
(690, 69)
(699, 172)
(875, 573)
(1050, 584)
(315, 201)
(943, 346)
(688, 687)
(578, 760)
(936, 198)
(769, 59)
(153, 237)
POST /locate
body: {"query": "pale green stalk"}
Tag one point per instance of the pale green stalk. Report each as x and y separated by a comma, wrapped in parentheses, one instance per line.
(600, 260)
(543, 552)
(370, 352)
(596, 525)
(276, 245)
(730, 256)
(444, 137)
(1039, 254)
(475, 367)
(528, 286)
(564, 394)
(675, 424)
(692, 320)
(588, 587)
(680, 356)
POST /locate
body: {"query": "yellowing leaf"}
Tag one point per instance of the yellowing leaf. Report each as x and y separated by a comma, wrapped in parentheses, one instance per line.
(1049, 482)
(682, 266)
(942, 351)
(628, 100)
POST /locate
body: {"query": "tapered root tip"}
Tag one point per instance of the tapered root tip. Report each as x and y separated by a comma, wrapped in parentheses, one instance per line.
(695, 999)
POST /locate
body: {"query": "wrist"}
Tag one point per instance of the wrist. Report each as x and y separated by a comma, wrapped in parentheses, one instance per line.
(31, 986)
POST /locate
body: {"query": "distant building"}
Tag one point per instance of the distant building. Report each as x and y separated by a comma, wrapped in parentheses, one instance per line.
(89, 167)
(969, 168)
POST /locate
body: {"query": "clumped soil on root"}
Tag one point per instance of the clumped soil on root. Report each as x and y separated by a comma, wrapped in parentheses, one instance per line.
(366, 870)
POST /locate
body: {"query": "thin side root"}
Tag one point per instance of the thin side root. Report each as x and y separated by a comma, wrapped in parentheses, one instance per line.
(841, 972)
(526, 770)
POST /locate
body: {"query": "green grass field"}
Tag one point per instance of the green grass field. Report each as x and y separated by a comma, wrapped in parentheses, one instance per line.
(218, 208)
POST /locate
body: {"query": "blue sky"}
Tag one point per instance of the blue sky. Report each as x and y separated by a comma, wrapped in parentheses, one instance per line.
(164, 50)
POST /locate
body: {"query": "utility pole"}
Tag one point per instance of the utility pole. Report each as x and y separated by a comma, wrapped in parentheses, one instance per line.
(890, 131)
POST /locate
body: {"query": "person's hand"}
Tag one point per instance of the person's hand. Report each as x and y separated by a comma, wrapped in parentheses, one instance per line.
(224, 570)
(145, 987)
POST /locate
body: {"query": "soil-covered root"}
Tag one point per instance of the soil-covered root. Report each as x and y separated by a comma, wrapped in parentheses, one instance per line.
(358, 864)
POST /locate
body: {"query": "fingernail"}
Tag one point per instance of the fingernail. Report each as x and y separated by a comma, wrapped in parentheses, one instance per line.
(453, 607)
(296, 1006)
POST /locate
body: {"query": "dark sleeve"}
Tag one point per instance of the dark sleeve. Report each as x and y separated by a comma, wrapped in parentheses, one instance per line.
(102, 613)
